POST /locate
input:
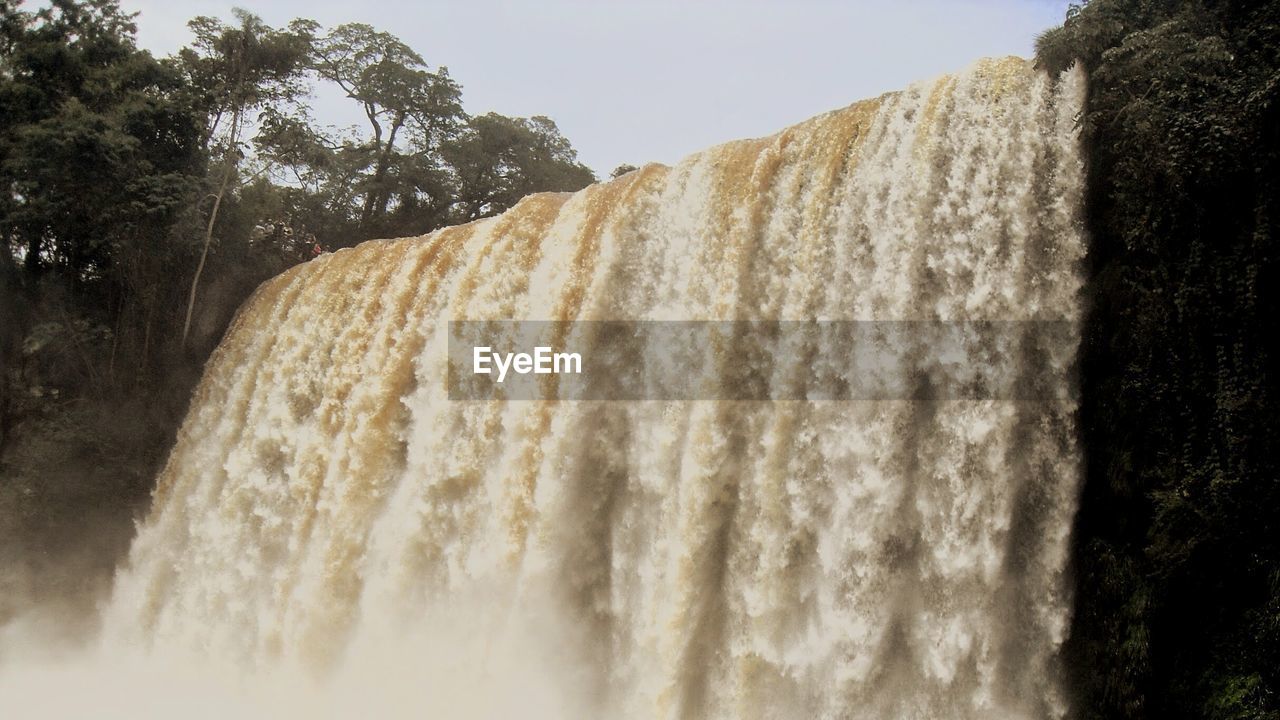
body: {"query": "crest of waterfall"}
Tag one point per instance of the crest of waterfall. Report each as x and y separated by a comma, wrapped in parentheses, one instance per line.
(329, 511)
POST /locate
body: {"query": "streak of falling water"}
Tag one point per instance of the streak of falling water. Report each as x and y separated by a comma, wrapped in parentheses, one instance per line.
(328, 508)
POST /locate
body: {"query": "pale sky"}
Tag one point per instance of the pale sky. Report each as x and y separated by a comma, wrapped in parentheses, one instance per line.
(634, 82)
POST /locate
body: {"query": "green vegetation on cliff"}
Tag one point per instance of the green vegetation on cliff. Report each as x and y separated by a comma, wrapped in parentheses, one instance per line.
(1178, 538)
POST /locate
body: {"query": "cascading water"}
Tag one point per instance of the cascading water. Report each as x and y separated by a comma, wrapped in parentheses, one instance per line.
(330, 513)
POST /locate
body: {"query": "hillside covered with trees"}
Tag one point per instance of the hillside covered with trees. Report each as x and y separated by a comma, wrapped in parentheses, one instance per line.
(1177, 544)
(144, 198)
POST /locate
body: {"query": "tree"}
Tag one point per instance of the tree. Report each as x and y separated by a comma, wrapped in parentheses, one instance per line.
(398, 93)
(100, 153)
(96, 139)
(237, 70)
(499, 160)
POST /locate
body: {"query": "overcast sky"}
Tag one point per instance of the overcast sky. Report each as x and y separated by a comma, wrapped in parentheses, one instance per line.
(633, 82)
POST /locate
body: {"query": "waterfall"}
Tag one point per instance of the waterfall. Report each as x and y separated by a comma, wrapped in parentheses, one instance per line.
(331, 515)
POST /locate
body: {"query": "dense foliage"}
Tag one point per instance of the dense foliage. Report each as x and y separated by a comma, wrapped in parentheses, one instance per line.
(142, 199)
(1177, 548)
